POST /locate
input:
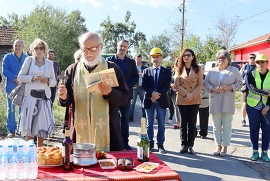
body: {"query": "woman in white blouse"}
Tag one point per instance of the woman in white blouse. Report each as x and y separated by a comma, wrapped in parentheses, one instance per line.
(37, 118)
(222, 82)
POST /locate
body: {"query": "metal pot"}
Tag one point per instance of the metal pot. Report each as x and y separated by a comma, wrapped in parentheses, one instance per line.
(84, 154)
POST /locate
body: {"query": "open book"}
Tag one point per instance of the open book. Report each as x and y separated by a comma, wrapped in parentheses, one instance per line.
(108, 76)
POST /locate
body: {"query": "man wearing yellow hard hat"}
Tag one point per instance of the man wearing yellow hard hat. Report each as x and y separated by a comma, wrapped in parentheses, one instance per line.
(156, 84)
(258, 102)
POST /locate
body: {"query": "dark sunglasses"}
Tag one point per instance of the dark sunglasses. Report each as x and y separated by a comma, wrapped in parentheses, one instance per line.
(252, 58)
(260, 62)
(39, 48)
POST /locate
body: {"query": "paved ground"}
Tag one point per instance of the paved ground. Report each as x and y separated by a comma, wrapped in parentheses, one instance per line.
(203, 166)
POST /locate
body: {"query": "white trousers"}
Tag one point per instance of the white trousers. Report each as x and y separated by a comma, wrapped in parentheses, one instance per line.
(222, 128)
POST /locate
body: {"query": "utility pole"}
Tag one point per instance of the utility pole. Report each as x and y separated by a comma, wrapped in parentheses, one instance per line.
(183, 25)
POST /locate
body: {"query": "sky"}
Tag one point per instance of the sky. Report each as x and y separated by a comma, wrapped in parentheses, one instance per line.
(153, 17)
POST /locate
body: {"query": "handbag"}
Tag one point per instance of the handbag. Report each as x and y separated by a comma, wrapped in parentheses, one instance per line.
(17, 94)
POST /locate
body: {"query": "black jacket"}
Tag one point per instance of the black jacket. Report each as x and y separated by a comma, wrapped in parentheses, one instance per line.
(130, 73)
(163, 86)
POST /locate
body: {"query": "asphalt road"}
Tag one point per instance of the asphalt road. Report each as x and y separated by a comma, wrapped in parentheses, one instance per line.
(203, 165)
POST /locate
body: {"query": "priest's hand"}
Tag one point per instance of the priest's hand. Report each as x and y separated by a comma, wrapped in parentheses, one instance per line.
(104, 88)
(62, 92)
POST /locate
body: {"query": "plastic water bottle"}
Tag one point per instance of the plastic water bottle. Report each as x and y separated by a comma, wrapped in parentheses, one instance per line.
(11, 163)
(21, 165)
(32, 166)
(2, 163)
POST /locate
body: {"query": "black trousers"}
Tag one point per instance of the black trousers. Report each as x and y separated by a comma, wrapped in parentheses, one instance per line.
(204, 117)
(188, 124)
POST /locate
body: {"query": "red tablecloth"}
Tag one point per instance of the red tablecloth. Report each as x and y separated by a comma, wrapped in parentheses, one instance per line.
(163, 172)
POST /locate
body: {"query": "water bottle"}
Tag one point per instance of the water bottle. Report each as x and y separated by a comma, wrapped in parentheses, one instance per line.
(2, 163)
(21, 166)
(10, 164)
(32, 166)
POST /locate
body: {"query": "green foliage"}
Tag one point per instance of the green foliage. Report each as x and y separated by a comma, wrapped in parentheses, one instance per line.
(114, 32)
(11, 21)
(204, 50)
(161, 41)
(57, 27)
(3, 113)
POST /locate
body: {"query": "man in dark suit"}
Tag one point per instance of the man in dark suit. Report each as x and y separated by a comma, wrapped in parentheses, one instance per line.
(130, 72)
(137, 89)
(156, 84)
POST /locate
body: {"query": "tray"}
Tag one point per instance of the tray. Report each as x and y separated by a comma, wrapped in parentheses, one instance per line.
(146, 167)
(107, 163)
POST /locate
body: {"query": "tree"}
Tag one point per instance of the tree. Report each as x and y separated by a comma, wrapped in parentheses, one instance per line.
(227, 29)
(10, 21)
(161, 41)
(55, 26)
(114, 32)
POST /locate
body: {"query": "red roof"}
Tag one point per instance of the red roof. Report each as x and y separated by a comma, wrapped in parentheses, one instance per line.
(249, 43)
(6, 35)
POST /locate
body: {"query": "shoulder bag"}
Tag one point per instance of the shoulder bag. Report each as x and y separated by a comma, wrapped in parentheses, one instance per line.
(17, 94)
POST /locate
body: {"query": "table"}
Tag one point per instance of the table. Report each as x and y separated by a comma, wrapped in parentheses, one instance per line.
(163, 172)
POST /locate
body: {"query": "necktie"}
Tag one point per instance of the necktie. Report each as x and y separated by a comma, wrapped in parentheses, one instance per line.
(156, 79)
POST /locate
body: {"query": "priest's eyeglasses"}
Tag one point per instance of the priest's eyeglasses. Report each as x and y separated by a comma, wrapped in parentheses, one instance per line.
(92, 49)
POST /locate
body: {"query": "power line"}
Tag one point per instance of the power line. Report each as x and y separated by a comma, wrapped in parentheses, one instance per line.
(164, 21)
(255, 15)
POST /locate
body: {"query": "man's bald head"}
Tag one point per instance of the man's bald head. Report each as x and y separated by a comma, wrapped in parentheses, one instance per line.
(89, 36)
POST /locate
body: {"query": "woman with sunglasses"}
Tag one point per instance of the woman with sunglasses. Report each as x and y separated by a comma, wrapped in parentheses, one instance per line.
(258, 102)
(37, 118)
(188, 84)
(222, 82)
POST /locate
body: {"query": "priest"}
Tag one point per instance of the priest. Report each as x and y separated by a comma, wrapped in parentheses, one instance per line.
(95, 117)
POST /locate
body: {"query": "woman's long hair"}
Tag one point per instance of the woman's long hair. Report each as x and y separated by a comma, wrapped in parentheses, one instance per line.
(194, 63)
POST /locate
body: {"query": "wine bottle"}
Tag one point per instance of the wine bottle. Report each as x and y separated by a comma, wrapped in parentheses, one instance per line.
(143, 143)
(67, 151)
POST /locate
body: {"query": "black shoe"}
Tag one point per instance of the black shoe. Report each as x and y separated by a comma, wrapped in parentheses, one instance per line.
(151, 147)
(127, 147)
(203, 137)
(161, 149)
(183, 149)
(190, 150)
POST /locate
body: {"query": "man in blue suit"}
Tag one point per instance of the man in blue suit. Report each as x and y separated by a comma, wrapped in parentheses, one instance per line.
(11, 66)
(156, 84)
(130, 72)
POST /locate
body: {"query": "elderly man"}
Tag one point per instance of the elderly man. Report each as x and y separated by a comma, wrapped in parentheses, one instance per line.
(95, 114)
(56, 67)
(11, 66)
(130, 72)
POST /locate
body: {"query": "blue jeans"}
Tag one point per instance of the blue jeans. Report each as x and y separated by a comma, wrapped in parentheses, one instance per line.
(136, 92)
(124, 110)
(257, 121)
(161, 113)
(11, 118)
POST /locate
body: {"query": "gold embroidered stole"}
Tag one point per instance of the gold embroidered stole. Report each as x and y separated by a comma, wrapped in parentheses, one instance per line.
(91, 115)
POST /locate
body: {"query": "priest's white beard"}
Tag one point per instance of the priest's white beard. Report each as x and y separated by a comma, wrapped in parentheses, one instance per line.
(93, 62)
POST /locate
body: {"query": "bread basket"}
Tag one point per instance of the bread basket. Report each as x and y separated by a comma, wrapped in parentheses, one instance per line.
(84, 154)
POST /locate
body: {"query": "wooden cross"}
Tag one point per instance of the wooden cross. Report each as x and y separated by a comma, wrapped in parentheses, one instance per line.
(62, 78)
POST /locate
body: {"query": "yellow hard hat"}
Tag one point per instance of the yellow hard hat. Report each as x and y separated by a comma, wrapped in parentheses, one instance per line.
(261, 57)
(156, 51)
